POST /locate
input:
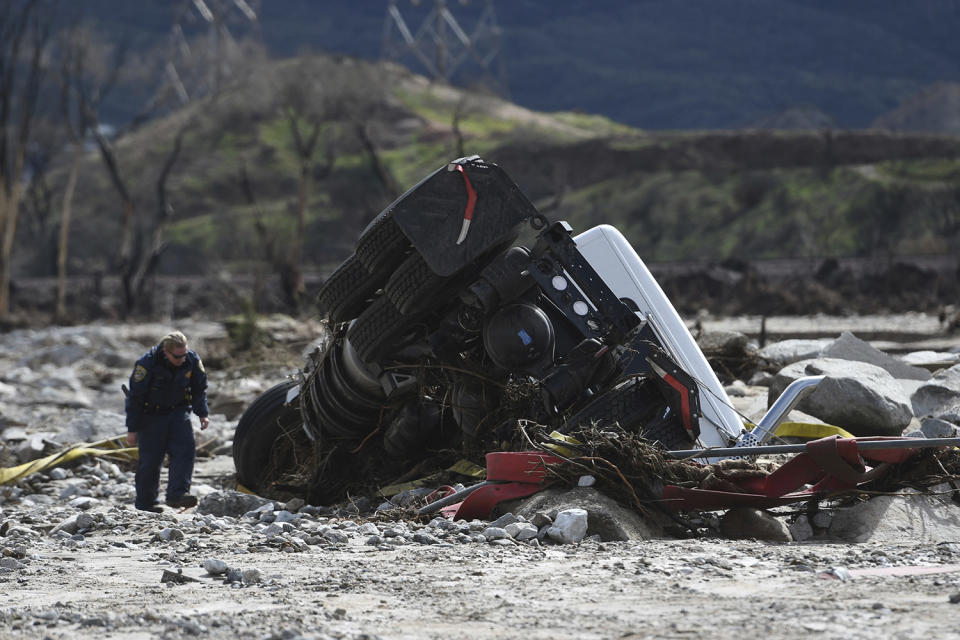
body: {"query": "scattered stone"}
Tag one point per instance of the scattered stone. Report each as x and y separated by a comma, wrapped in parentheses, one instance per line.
(504, 520)
(940, 394)
(176, 577)
(215, 567)
(250, 576)
(800, 529)
(787, 352)
(494, 533)
(230, 503)
(335, 536)
(424, 538)
(569, 527)
(521, 531)
(937, 428)
(931, 360)
(586, 481)
(169, 534)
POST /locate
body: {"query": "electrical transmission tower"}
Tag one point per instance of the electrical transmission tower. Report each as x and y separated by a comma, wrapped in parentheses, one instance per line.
(443, 47)
(201, 67)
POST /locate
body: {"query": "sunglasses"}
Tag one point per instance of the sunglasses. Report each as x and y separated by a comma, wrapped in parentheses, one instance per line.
(174, 356)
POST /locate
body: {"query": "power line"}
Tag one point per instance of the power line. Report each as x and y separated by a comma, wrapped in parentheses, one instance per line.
(442, 46)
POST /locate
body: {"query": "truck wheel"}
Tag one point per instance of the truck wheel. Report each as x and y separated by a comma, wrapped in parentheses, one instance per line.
(637, 407)
(269, 442)
(414, 286)
(379, 330)
(347, 291)
(383, 245)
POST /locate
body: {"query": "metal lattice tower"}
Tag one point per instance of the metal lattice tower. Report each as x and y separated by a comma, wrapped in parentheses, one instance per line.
(443, 47)
(209, 21)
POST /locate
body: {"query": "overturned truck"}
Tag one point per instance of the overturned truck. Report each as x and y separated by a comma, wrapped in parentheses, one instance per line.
(446, 335)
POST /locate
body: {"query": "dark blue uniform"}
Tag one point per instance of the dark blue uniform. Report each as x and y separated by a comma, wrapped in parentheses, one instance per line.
(158, 410)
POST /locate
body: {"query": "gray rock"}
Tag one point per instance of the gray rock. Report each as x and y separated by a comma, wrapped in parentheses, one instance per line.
(725, 343)
(894, 519)
(335, 536)
(787, 352)
(822, 519)
(215, 566)
(285, 516)
(504, 520)
(586, 481)
(83, 502)
(169, 534)
(569, 527)
(521, 531)
(85, 521)
(857, 396)
(66, 526)
(11, 563)
(57, 473)
(607, 519)
(495, 533)
(424, 538)
(89, 425)
(800, 529)
(250, 576)
(368, 528)
(230, 503)
(540, 519)
(940, 394)
(746, 522)
(850, 347)
(937, 428)
(931, 360)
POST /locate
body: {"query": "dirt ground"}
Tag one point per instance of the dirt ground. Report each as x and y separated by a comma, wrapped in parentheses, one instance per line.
(106, 583)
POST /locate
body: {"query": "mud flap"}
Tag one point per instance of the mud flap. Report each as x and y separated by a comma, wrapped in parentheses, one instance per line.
(459, 212)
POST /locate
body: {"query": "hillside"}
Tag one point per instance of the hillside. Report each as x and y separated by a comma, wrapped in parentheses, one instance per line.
(680, 196)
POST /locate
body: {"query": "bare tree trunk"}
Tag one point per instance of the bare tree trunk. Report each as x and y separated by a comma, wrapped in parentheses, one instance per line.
(9, 211)
(64, 236)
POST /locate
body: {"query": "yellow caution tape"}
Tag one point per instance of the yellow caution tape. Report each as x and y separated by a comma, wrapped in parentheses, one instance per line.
(96, 449)
(810, 431)
(559, 449)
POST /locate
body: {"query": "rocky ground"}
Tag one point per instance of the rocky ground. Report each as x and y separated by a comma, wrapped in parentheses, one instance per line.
(77, 561)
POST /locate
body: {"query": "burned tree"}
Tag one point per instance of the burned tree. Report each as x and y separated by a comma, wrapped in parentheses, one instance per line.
(24, 36)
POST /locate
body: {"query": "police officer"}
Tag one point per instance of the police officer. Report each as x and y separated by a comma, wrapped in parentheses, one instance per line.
(166, 383)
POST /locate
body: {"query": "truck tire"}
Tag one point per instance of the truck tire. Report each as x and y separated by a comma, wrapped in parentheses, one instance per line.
(347, 292)
(414, 286)
(637, 407)
(269, 439)
(379, 330)
(383, 245)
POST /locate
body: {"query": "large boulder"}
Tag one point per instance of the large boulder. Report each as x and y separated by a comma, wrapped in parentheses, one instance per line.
(787, 352)
(859, 397)
(939, 395)
(891, 519)
(846, 347)
(850, 347)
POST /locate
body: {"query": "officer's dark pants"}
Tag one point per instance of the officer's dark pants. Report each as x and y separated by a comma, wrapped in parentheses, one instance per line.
(161, 434)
